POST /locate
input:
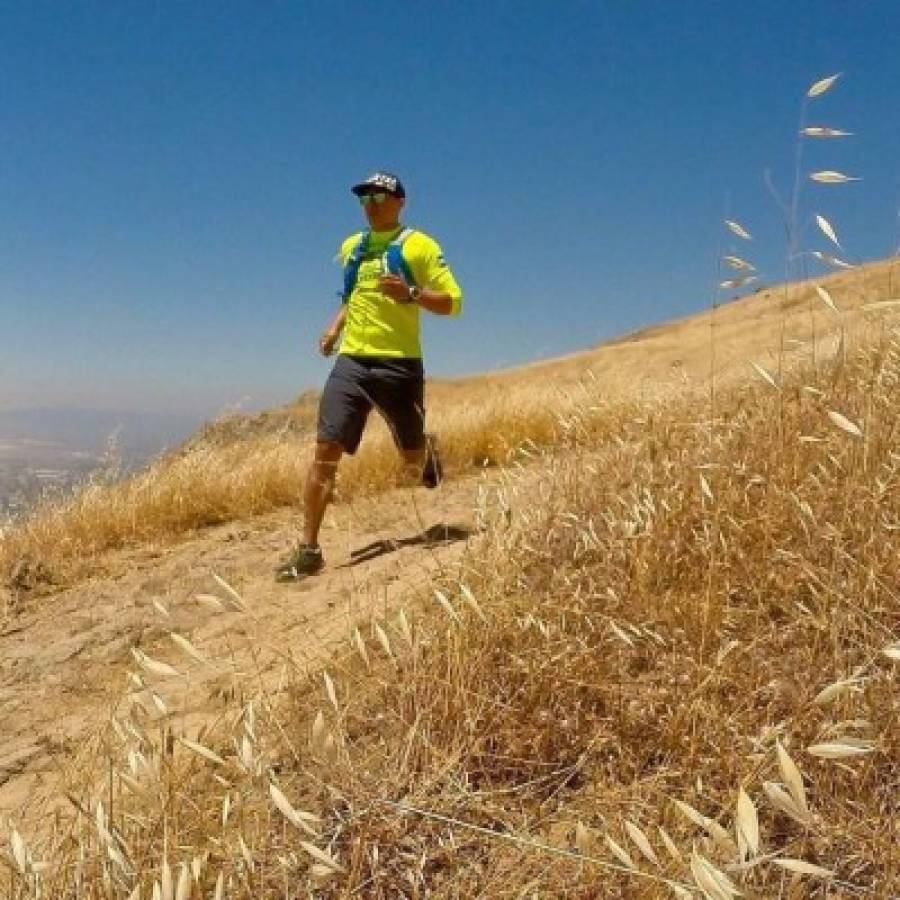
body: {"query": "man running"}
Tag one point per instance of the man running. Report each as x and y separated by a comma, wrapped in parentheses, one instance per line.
(391, 273)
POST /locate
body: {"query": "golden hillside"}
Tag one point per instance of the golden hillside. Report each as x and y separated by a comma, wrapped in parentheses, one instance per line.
(642, 643)
(245, 466)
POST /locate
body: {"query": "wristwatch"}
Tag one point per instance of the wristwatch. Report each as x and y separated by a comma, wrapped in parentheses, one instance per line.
(414, 294)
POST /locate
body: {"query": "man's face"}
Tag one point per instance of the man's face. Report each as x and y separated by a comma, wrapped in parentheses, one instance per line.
(382, 209)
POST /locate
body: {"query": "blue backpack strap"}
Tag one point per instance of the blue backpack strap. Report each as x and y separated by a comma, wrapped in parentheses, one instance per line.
(351, 269)
(394, 261)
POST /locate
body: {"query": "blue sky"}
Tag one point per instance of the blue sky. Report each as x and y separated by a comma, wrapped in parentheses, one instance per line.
(174, 175)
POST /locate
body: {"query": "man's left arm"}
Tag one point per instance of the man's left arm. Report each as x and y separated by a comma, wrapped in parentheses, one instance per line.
(439, 293)
(440, 302)
(434, 301)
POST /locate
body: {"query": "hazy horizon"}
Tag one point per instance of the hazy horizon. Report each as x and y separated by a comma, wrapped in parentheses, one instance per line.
(56, 449)
(139, 433)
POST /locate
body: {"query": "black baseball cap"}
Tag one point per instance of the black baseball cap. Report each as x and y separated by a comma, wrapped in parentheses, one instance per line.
(380, 181)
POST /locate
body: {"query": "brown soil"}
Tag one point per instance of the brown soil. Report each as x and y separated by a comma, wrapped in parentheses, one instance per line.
(64, 659)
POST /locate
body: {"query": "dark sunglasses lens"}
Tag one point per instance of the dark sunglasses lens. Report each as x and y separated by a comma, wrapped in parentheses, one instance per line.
(377, 199)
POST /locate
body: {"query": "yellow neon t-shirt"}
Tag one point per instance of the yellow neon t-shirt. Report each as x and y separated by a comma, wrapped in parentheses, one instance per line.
(376, 325)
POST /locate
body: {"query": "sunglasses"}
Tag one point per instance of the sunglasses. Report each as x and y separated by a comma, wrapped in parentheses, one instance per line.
(377, 198)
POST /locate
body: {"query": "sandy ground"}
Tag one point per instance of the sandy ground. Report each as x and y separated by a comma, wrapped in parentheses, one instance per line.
(65, 659)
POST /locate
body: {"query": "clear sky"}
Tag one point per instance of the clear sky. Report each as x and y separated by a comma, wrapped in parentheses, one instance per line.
(174, 175)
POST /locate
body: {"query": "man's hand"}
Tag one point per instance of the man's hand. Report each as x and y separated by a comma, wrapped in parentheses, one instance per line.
(327, 342)
(395, 287)
(333, 331)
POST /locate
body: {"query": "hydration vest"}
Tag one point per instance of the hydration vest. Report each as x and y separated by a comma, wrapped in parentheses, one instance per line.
(392, 259)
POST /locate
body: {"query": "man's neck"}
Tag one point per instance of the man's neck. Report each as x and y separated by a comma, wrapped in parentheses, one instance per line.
(384, 229)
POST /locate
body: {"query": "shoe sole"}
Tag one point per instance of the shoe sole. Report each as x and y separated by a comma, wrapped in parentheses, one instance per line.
(288, 578)
(291, 574)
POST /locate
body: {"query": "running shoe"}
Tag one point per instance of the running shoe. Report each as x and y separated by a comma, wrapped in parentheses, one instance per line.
(433, 470)
(305, 560)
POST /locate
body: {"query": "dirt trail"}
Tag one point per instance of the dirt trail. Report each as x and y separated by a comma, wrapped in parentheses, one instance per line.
(64, 659)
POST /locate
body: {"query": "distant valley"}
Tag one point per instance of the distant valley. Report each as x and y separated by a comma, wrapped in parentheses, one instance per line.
(47, 452)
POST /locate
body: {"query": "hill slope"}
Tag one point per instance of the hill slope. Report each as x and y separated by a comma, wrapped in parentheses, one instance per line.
(644, 607)
(246, 467)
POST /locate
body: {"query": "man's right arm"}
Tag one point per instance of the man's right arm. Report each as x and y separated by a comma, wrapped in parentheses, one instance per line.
(331, 334)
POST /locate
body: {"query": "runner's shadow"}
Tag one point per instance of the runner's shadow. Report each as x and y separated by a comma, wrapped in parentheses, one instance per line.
(430, 537)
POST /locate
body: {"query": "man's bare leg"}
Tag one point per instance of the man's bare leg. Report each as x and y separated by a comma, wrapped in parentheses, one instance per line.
(307, 558)
(413, 461)
(319, 488)
(423, 465)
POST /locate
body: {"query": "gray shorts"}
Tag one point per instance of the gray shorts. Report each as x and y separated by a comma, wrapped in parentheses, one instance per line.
(395, 387)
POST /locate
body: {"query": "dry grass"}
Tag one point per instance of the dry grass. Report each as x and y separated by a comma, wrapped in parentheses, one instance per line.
(247, 467)
(669, 668)
(625, 694)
